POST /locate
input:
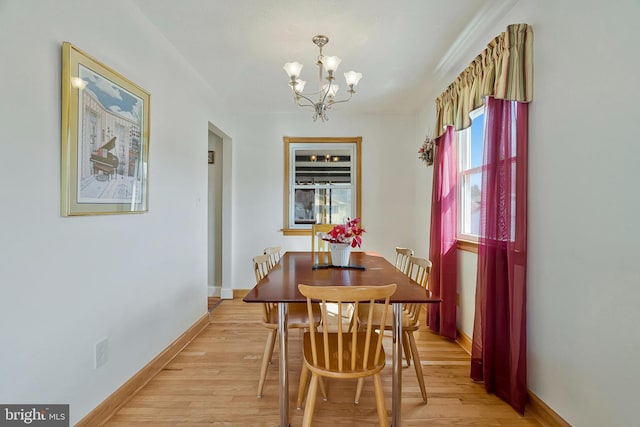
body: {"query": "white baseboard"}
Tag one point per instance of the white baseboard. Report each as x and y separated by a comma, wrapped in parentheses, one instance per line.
(226, 293)
(213, 291)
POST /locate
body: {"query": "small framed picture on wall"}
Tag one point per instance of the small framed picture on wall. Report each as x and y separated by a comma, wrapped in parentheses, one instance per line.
(212, 155)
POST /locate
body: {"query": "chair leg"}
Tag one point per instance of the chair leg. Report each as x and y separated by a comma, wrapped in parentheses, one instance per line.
(380, 406)
(310, 406)
(358, 390)
(266, 358)
(405, 346)
(417, 365)
(304, 376)
(273, 344)
(323, 390)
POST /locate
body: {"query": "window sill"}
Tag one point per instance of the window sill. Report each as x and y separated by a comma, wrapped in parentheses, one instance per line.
(468, 246)
(296, 232)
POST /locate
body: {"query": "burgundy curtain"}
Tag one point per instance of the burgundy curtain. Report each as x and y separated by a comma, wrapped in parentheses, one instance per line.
(442, 248)
(499, 351)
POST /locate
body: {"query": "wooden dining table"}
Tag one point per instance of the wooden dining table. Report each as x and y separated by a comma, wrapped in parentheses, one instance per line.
(365, 268)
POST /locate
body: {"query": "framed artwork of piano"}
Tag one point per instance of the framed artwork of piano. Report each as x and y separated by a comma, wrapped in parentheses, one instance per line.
(105, 139)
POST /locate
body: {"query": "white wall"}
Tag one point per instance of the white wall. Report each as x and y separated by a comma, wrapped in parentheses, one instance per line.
(467, 267)
(66, 283)
(424, 182)
(583, 202)
(583, 281)
(389, 157)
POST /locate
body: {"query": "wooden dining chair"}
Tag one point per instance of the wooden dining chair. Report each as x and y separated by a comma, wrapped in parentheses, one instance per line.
(354, 354)
(419, 270)
(402, 259)
(275, 253)
(322, 255)
(297, 318)
(319, 247)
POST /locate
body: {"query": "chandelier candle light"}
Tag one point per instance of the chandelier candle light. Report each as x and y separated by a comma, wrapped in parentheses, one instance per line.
(327, 91)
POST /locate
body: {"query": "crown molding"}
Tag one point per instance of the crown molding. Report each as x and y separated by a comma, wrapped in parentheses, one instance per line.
(458, 52)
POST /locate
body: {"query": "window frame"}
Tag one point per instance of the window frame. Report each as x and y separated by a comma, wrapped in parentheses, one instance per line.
(466, 241)
(290, 143)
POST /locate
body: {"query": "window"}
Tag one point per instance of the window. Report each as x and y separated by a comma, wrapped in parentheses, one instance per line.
(322, 182)
(470, 147)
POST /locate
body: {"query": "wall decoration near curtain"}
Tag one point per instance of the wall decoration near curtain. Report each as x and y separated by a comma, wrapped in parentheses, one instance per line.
(425, 152)
(105, 138)
(501, 78)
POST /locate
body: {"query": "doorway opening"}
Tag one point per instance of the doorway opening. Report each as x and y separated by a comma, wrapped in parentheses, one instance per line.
(214, 216)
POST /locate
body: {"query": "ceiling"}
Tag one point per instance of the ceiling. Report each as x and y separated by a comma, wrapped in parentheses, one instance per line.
(403, 48)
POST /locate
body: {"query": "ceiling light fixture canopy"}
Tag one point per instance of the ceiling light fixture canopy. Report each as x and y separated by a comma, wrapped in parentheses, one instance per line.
(327, 91)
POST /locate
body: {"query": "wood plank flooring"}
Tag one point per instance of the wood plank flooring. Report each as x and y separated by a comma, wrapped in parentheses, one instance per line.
(213, 382)
(212, 302)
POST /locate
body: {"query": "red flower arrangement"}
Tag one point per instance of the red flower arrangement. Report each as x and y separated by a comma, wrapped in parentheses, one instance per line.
(346, 233)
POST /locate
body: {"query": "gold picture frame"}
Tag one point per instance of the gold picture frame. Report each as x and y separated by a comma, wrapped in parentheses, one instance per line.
(298, 198)
(105, 139)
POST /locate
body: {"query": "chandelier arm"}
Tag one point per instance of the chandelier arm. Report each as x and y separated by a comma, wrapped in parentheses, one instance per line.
(300, 95)
(308, 107)
(344, 100)
(326, 92)
(311, 93)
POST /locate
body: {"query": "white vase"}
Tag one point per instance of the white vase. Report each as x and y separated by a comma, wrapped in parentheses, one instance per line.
(340, 254)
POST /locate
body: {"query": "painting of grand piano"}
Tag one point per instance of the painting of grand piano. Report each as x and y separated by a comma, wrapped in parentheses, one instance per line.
(105, 139)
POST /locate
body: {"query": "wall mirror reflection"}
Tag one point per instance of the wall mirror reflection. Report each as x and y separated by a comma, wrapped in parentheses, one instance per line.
(322, 182)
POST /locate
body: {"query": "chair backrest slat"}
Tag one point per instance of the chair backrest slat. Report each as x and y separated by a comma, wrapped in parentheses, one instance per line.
(403, 256)
(319, 247)
(370, 340)
(354, 340)
(261, 269)
(274, 253)
(419, 271)
(317, 230)
(260, 266)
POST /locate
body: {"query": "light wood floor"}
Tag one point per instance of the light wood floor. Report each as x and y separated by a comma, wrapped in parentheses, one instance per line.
(212, 302)
(213, 382)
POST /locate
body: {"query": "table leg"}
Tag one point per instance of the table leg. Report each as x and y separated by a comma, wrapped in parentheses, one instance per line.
(396, 390)
(284, 370)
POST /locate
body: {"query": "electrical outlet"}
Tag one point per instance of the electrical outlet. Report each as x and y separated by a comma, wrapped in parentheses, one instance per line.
(101, 353)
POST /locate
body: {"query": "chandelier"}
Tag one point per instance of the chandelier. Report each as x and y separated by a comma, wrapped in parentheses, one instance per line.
(327, 91)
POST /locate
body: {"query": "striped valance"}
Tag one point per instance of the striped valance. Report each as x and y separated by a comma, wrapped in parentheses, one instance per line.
(503, 70)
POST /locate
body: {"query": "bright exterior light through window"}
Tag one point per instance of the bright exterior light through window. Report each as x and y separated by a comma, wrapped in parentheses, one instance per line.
(470, 148)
